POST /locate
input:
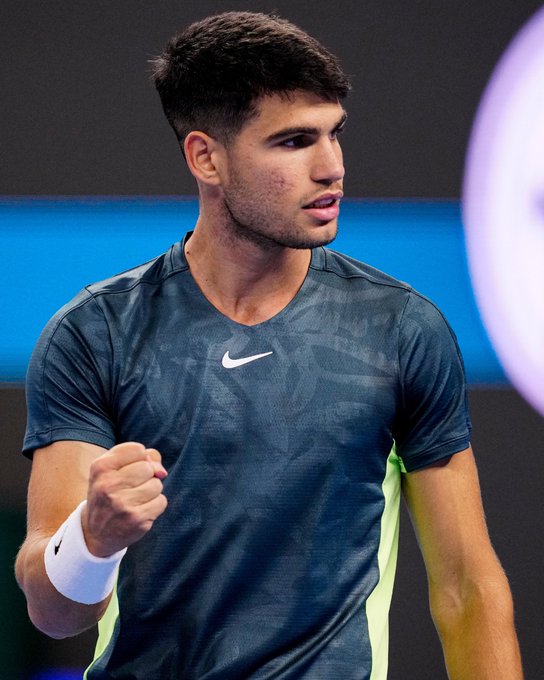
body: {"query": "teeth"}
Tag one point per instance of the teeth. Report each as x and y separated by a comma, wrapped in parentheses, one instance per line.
(325, 203)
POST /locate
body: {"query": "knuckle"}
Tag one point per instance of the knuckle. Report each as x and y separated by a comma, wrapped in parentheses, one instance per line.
(97, 467)
(130, 516)
(128, 447)
(99, 487)
(104, 485)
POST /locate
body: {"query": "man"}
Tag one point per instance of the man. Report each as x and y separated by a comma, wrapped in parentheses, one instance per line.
(227, 425)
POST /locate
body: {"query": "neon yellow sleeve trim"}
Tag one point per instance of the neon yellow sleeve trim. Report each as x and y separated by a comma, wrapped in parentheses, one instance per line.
(106, 626)
(379, 601)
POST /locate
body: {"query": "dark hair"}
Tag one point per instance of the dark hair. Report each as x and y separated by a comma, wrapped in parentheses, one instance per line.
(211, 75)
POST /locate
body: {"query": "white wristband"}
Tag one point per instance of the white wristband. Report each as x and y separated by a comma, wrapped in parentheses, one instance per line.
(74, 571)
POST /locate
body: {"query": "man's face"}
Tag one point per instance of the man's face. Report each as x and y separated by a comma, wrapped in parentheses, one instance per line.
(283, 173)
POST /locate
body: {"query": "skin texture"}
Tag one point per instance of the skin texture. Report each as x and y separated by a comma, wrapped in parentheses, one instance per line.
(469, 594)
(249, 256)
(262, 188)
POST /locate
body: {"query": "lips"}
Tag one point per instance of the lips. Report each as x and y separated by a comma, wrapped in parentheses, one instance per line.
(324, 201)
(325, 208)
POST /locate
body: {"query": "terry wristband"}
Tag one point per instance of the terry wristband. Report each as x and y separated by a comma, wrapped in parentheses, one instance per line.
(74, 571)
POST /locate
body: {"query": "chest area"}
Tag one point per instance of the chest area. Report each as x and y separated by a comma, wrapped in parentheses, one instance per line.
(325, 383)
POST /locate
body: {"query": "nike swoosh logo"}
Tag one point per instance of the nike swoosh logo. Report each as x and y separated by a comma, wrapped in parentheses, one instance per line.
(56, 547)
(227, 362)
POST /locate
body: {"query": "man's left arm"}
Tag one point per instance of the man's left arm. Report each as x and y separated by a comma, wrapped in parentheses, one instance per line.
(470, 598)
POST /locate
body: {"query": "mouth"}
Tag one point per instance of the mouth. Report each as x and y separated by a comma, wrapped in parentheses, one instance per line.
(326, 207)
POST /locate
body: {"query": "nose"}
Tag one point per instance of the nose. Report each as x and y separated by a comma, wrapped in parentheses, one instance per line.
(328, 166)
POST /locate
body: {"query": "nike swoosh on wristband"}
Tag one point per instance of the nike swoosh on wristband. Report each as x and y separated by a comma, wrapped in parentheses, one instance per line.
(227, 362)
(57, 545)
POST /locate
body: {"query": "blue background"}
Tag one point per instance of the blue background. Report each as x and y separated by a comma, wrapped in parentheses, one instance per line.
(51, 248)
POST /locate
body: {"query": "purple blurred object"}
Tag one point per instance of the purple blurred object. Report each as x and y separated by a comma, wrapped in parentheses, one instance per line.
(503, 210)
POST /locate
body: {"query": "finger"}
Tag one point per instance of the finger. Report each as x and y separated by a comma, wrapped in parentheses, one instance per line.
(126, 453)
(154, 508)
(143, 516)
(153, 454)
(133, 475)
(142, 494)
(123, 454)
(124, 528)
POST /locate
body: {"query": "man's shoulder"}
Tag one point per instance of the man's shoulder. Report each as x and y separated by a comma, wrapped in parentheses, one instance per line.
(374, 286)
(153, 272)
(125, 288)
(346, 267)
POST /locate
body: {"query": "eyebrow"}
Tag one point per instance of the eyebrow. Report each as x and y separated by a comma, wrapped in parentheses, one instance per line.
(301, 130)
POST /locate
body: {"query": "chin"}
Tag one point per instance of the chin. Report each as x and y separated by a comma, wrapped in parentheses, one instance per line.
(321, 236)
(297, 238)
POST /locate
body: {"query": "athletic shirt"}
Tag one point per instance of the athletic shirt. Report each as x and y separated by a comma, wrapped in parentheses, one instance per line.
(276, 554)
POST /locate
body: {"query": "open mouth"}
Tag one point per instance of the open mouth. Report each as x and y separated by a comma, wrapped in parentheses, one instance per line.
(324, 209)
(323, 203)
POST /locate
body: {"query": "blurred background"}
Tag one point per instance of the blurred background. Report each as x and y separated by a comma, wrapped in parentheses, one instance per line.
(92, 182)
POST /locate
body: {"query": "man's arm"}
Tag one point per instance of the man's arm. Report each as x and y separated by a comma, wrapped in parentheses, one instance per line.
(470, 599)
(124, 496)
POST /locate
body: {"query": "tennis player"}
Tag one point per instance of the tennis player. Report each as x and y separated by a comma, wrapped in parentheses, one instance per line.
(220, 437)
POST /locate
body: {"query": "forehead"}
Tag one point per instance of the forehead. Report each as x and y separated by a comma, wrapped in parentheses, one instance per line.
(296, 109)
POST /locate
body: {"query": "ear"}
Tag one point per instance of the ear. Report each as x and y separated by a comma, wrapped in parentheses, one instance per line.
(203, 156)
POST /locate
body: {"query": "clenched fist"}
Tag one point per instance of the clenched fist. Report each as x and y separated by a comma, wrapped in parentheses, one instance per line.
(124, 497)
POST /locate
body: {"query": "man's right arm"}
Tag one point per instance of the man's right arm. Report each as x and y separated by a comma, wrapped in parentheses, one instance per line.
(123, 489)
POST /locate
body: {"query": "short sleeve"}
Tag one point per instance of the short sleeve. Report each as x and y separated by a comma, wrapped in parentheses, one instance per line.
(433, 420)
(68, 384)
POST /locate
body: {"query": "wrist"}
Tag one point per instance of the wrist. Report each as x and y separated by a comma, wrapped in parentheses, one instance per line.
(73, 569)
(93, 546)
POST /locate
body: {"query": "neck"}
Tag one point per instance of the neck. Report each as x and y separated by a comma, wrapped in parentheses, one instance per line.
(246, 281)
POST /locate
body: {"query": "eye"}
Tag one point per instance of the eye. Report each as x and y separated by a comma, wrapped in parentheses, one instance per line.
(297, 142)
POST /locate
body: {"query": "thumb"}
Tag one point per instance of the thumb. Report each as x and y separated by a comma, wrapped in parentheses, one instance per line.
(154, 457)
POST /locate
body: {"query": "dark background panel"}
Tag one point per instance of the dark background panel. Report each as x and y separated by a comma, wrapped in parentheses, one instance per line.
(80, 116)
(507, 440)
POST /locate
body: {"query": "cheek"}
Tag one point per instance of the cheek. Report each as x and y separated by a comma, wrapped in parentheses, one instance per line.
(279, 182)
(266, 182)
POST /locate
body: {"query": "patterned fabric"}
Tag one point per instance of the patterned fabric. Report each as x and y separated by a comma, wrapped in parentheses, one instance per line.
(284, 471)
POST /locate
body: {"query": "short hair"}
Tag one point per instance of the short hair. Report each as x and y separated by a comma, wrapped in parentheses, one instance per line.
(211, 75)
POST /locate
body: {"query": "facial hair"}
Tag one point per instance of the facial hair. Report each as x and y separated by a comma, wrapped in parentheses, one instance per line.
(244, 227)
